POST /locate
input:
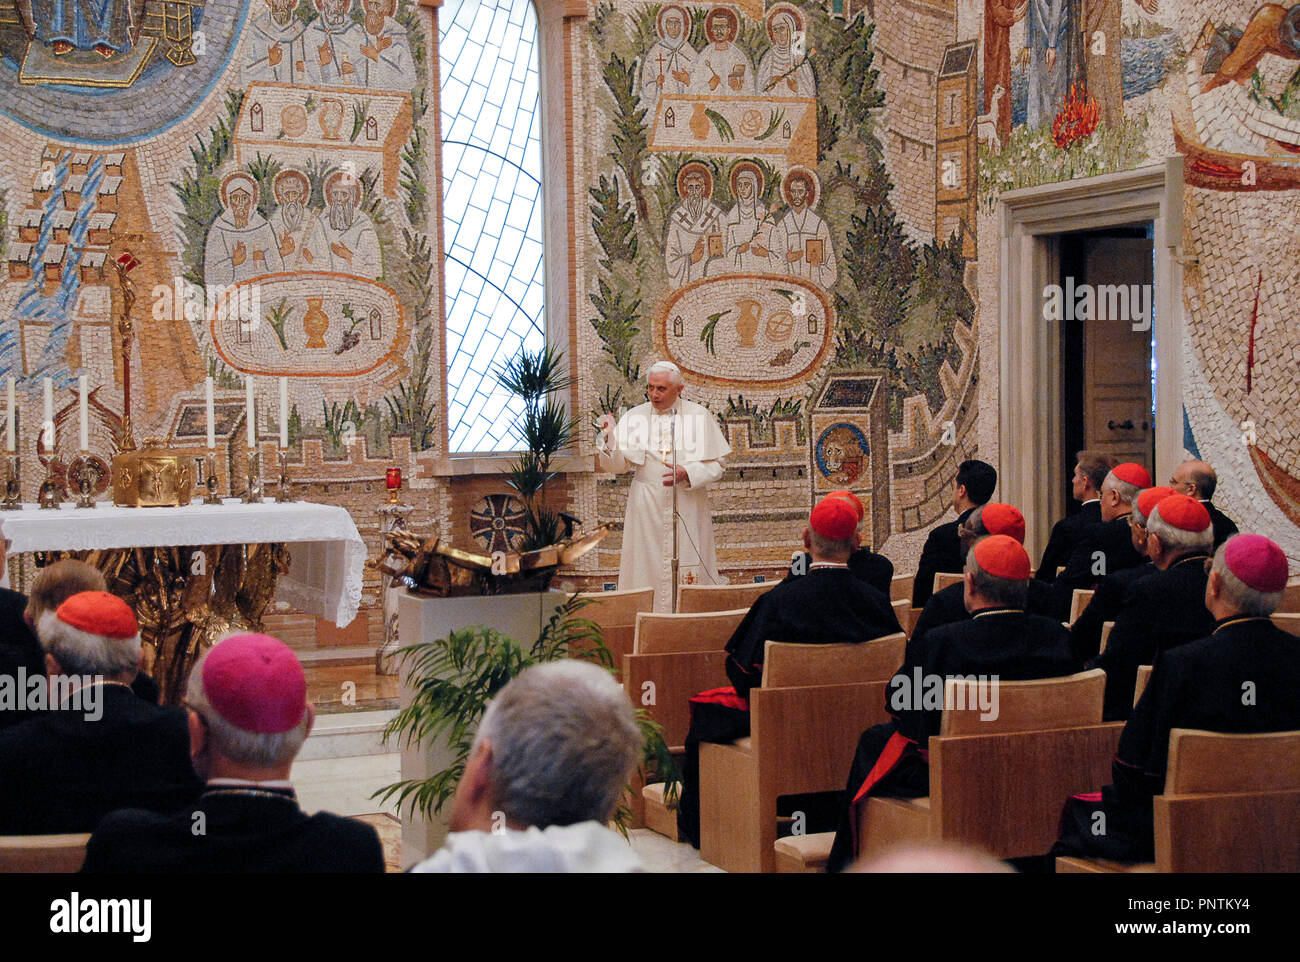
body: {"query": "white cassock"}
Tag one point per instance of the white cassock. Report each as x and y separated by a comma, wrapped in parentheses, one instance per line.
(679, 56)
(734, 72)
(276, 53)
(639, 439)
(253, 245)
(303, 248)
(386, 62)
(684, 232)
(359, 240)
(792, 234)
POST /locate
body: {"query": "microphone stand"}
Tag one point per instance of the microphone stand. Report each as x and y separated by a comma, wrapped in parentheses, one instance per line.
(672, 452)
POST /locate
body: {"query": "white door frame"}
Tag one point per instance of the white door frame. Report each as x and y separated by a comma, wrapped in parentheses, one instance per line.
(1029, 405)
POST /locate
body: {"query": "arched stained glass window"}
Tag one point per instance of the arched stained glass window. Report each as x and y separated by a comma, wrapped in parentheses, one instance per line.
(492, 210)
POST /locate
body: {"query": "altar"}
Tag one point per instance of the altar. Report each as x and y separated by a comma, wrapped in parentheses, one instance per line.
(195, 572)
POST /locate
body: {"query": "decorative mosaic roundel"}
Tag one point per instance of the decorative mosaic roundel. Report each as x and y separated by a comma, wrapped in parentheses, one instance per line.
(497, 522)
(842, 452)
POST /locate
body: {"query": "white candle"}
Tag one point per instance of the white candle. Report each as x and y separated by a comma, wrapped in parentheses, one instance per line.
(10, 439)
(47, 426)
(212, 429)
(284, 412)
(83, 410)
(248, 412)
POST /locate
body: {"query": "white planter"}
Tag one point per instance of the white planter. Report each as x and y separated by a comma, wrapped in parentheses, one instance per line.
(521, 617)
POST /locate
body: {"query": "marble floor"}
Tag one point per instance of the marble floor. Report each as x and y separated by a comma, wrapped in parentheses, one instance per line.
(345, 784)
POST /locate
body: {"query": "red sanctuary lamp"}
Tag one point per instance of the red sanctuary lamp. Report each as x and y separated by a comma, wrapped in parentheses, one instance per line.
(393, 481)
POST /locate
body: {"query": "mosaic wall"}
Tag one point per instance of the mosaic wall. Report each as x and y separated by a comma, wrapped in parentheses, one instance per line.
(249, 178)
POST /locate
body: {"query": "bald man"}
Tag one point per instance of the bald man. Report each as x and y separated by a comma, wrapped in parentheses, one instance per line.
(1197, 479)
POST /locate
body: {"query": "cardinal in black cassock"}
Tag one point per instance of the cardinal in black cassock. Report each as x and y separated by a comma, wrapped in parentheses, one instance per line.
(864, 564)
(828, 605)
(1000, 641)
(1241, 677)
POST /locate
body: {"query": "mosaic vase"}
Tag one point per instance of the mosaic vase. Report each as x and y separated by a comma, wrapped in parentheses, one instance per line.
(315, 322)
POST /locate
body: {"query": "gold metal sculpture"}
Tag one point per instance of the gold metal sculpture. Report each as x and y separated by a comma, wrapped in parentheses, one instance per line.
(186, 597)
(151, 477)
(427, 566)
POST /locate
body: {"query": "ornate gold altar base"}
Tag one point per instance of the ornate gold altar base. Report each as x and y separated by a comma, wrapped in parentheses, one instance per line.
(186, 597)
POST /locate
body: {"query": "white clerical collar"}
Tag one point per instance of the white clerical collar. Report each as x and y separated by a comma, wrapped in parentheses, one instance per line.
(1092, 501)
(828, 564)
(245, 783)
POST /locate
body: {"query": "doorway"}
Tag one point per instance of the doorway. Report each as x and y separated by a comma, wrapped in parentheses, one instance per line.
(1052, 398)
(1107, 376)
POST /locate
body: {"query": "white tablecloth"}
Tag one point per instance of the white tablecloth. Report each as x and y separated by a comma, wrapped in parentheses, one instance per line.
(327, 554)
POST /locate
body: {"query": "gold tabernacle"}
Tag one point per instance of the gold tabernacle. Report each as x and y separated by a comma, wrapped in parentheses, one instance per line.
(151, 477)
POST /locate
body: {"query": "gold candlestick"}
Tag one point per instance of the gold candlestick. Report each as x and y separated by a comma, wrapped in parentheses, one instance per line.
(284, 491)
(13, 496)
(253, 494)
(49, 495)
(210, 482)
(87, 475)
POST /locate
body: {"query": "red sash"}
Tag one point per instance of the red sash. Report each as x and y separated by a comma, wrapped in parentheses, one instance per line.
(895, 749)
(726, 697)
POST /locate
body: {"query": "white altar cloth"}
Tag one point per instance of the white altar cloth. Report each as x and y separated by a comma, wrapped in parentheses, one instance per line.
(326, 552)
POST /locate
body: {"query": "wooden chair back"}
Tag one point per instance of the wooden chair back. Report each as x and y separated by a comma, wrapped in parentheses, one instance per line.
(1106, 626)
(1201, 762)
(704, 631)
(1034, 705)
(1003, 792)
(902, 609)
(43, 853)
(1288, 622)
(942, 579)
(789, 665)
(900, 587)
(615, 612)
(1233, 832)
(664, 684)
(1143, 676)
(1079, 601)
(696, 598)
(1290, 598)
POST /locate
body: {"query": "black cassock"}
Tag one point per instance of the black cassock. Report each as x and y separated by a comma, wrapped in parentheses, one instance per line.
(892, 759)
(875, 569)
(1109, 598)
(1162, 610)
(1066, 533)
(948, 605)
(942, 552)
(829, 605)
(1106, 547)
(1224, 527)
(246, 829)
(1242, 678)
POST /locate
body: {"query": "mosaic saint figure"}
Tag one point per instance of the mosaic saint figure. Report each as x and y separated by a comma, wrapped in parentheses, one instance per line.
(801, 240)
(240, 243)
(784, 71)
(723, 67)
(277, 50)
(670, 62)
(694, 227)
(1048, 42)
(746, 233)
(999, 17)
(108, 27)
(298, 230)
(386, 62)
(333, 43)
(349, 232)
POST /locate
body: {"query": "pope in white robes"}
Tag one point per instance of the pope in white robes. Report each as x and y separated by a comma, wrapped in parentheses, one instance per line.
(667, 441)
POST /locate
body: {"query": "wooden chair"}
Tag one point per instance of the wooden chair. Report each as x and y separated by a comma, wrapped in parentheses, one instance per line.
(43, 853)
(615, 612)
(696, 598)
(1288, 622)
(900, 587)
(673, 657)
(1290, 598)
(997, 783)
(942, 579)
(902, 611)
(802, 740)
(1106, 626)
(1080, 600)
(1231, 804)
(1143, 676)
